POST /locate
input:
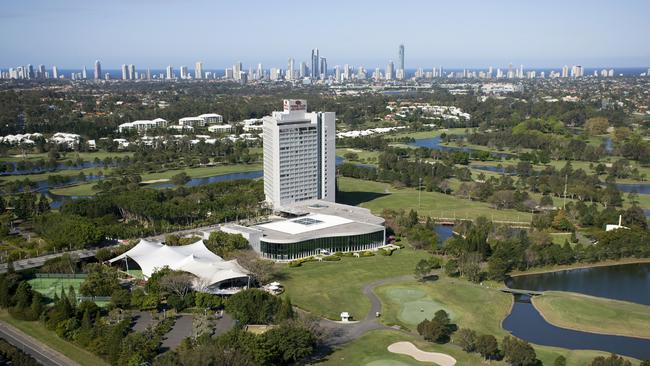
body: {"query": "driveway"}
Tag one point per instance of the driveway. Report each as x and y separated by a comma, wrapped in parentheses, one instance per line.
(181, 330)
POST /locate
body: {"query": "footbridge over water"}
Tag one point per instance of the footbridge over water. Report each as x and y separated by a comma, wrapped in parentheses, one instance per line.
(451, 221)
(516, 291)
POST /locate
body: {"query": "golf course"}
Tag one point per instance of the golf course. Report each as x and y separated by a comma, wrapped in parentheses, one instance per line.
(594, 314)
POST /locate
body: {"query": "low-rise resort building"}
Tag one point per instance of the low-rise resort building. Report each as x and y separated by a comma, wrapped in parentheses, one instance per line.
(312, 228)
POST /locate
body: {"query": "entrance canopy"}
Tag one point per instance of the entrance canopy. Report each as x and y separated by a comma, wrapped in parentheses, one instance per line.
(196, 258)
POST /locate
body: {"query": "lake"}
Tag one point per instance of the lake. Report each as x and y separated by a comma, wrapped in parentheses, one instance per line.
(629, 282)
(57, 200)
(435, 143)
(641, 188)
(526, 323)
(58, 167)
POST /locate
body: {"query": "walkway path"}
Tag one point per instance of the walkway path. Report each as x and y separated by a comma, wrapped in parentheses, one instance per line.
(339, 333)
(143, 320)
(224, 324)
(181, 330)
(42, 353)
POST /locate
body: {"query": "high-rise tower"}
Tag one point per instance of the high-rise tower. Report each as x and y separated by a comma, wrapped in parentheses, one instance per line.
(198, 70)
(299, 155)
(323, 68)
(98, 70)
(315, 58)
(390, 71)
(290, 69)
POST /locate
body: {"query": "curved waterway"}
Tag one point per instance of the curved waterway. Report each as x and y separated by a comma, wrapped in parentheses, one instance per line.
(435, 143)
(43, 169)
(629, 282)
(58, 200)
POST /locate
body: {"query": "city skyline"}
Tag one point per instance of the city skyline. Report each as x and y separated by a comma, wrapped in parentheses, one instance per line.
(592, 34)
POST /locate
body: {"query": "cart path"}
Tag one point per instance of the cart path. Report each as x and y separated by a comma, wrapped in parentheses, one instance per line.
(340, 333)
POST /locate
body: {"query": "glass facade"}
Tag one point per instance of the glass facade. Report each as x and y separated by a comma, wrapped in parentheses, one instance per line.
(306, 248)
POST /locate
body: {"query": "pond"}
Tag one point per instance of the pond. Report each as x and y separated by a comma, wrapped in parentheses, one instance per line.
(444, 232)
(212, 179)
(629, 282)
(641, 188)
(57, 200)
(58, 167)
(526, 323)
(436, 144)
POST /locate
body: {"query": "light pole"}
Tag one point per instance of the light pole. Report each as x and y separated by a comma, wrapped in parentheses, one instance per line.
(419, 192)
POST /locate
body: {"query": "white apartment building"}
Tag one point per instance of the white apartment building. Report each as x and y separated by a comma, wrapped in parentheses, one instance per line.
(299, 155)
(212, 118)
(253, 124)
(202, 120)
(143, 125)
(220, 129)
(192, 121)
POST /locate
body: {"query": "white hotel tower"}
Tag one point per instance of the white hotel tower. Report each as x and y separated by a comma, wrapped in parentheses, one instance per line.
(299, 155)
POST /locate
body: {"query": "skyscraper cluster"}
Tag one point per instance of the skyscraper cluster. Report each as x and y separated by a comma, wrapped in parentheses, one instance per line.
(315, 70)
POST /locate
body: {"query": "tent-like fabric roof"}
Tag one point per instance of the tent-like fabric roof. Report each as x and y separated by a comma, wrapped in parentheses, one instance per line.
(194, 258)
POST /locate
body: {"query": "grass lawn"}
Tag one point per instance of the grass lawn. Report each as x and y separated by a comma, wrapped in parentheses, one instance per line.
(85, 189)
(376, 196)
(365, 156)
(409, 305)
(429, 134)
(644, 201)
(469, 305)
(594, 314)
(63, 173)
(87, 156)
(37, 330)
(202, 172)
(328, 288)
(560, 238)
(371, 350)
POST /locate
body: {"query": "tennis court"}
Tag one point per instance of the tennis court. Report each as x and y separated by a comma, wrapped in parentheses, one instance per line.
(53, 285)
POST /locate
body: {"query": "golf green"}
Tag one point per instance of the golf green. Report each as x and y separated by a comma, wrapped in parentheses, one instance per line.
(415, 305)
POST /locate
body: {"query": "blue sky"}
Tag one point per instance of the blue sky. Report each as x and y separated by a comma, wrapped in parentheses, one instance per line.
(461, 33)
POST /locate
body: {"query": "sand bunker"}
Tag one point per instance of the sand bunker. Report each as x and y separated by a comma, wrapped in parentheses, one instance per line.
(409, 349)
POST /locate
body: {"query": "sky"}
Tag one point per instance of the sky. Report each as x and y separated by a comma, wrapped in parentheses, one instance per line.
(452, 34)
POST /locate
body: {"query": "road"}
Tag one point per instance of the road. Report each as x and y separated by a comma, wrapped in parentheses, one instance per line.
(86, 253)
(42, 353)
(39, 261)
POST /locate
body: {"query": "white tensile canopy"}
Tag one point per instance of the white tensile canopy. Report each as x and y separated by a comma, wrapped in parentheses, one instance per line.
(196, 258)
